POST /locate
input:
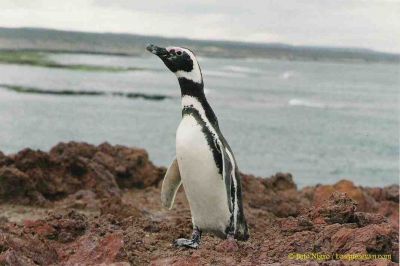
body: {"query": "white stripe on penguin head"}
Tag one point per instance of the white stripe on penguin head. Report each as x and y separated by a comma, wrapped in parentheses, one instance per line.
(195, 74)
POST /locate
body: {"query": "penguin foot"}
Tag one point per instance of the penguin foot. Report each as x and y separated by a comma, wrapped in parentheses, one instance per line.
(186, 243)
(189, 243)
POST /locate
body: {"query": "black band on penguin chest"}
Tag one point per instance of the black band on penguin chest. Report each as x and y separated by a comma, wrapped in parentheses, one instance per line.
(210, 136)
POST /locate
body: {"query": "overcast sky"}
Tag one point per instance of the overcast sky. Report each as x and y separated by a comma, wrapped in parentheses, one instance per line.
(356, 23)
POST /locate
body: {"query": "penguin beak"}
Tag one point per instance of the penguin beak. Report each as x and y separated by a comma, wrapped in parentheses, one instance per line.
(158, 51)
(164, 55)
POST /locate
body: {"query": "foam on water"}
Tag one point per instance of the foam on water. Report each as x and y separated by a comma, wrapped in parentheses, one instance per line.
(241, 69)
(306, 103)
(287, 74)
(222, 74)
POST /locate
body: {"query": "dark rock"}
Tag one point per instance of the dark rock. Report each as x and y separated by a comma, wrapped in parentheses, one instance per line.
(82, 199)
(389, 193)
(228, 245)
(131, 167)
(67, 151)
(69, 167)
(16, 186)
(292, 225)
(62, 226)
(116, 207)
(364, 201)
(376, 239)
(338, 209)
(277, 194)
(363, 218)
(280, 181)
(94, 250)
(390, 210)
(25, 250)
(3, 159)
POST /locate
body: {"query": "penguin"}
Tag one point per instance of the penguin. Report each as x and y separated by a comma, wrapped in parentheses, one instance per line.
(204, 162)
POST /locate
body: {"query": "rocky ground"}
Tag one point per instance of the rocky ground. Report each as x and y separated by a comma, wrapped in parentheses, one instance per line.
(89, 205)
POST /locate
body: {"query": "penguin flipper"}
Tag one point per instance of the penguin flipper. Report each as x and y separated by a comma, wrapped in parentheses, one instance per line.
(227, 174)
(171, 183)
(238, 226)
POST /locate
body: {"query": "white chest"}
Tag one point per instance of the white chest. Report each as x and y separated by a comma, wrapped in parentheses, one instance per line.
(204, 186)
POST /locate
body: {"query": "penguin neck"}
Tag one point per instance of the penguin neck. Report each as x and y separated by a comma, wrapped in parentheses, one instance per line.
(194, 99)
(192, 88)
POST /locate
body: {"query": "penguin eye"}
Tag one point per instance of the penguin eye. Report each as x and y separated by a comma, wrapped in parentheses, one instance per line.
(179, 53)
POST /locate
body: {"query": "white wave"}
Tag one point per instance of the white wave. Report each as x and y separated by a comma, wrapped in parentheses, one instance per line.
(306, 103)
(241, 69)
(207, 91)
(223, 74)
(287, 75)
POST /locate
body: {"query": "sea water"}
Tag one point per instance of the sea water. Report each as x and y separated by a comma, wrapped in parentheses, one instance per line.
(320, 121)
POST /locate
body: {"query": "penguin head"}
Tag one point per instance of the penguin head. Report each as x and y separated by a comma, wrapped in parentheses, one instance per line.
(181, 61)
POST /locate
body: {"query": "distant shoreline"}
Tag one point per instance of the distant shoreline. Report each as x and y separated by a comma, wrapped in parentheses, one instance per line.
(94, 53)
(57, 41)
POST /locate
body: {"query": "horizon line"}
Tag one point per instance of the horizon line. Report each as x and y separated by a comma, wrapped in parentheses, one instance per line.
(366, 49)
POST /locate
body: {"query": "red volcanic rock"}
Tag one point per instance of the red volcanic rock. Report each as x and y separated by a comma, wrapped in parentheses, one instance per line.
(36, 176)
(298, 224)
(3, 158)
(364, 201)
(82, 199)
(279, 181)
(118, 208)
(375, 239)
(40, 228)
(335, 228)
(62, 227)
(389, 193)
(103, 207)
(61, 172)
(143, 238)
(384, 201)
(228, 245)
(15, 185)
(25, 250)
(91, 250)
(387, 202)
(363, 218)
(176, 261)
(131, 167)
(390, 210)
(338, 209)
(277, 194)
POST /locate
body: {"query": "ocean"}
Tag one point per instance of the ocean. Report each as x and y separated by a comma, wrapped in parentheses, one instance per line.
(320, 121)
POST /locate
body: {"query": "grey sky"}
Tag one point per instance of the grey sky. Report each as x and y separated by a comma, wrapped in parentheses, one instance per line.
(356, 23)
